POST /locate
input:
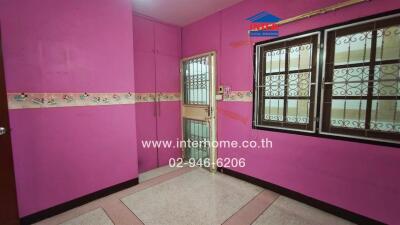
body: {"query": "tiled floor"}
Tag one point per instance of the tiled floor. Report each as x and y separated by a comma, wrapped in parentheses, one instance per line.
(290, 212)
(95, 217)
(193, 196)
(197, 197)
(155, 173)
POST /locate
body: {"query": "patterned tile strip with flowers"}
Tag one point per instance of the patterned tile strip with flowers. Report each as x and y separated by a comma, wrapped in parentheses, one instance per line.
(51, 100)
(239, 96)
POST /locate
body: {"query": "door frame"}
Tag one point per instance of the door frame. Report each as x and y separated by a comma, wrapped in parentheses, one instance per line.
(9, 206)
(212, 119)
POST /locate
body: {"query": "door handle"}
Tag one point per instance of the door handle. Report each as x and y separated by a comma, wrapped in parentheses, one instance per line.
(159, 104)
(3, 131)
(155, 105)
(209, 111)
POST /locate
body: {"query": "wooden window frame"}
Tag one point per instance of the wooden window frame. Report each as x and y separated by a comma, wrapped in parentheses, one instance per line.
(357, 133)
(309, 38)
(380, 140)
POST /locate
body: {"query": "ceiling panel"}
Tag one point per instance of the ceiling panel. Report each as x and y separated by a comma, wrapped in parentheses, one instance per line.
(180, 12)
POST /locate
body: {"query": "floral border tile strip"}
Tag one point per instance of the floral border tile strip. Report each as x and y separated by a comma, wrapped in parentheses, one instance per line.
(145, 97)
(160, 96)
(51, 100)
(239, 96)
(169, 97)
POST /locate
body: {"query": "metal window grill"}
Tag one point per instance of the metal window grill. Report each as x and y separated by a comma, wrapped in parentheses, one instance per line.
(288, 83)
(197, 81)
(197, 131)
(362, 84)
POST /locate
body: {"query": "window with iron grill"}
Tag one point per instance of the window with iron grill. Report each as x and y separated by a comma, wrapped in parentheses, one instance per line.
(196, 81)
(359, 85)
(287, 84)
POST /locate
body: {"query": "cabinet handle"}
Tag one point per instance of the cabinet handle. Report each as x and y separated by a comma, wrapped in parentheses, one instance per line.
(155, 106)
(159, 104)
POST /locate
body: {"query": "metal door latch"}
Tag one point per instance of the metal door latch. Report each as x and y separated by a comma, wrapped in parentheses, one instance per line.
(2, 131)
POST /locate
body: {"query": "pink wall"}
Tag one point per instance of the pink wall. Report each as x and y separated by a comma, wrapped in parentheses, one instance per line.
(77, 46)
(69, 46)
(359, 177)
(157, 55)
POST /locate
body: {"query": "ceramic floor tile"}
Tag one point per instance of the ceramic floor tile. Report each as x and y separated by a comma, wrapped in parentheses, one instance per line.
(285, 211)
(95, 217)
(115, 209)
(197, 197)
(152, 182)
(155, 173)
(253, 209)
(71, 214)
(120, 214)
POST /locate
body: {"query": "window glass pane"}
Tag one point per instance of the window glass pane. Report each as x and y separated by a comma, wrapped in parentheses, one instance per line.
(275, 85)
(387, 80)
(300, 57)
(274, 109)
(385, 115)
(197, 83)
(348, 113)
(298, 111)
(285, 83)
(388, 43)
(354, 48)
(275, 61)
(362, 81)
(351, 81)
(299, 84)
(195, 130)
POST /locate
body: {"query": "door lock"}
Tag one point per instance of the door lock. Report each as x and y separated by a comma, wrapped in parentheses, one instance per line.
(2, 131)
(209, 111)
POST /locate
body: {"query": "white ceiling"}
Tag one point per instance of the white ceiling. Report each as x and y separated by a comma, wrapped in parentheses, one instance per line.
(180, 12)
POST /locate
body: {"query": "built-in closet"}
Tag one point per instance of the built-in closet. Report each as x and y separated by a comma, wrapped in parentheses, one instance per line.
(156, 60)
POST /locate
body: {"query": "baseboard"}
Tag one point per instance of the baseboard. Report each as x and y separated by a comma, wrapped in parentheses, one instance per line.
(47, 213)
(329, 208)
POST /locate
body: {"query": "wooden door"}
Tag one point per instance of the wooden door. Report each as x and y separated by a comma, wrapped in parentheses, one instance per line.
(146, 114)
(8, 203)
(168, 112)
(146, 132)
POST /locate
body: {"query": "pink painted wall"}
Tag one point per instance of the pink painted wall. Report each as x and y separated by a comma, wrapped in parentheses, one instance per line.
(359, 177)
(157, 55)
(69, 46)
